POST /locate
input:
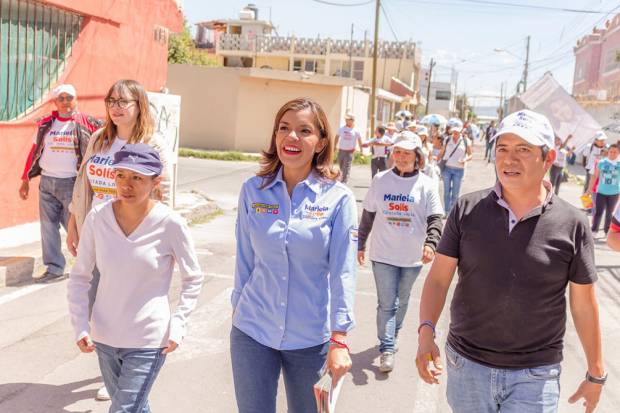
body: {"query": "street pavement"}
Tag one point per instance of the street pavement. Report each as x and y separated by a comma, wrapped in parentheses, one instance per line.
(42, 371)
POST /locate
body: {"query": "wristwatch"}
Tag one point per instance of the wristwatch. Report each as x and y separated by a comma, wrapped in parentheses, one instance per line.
(596, 380)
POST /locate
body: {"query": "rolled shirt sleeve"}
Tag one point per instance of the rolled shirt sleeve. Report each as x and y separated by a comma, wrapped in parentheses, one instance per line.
(342, 265)
(191, 283)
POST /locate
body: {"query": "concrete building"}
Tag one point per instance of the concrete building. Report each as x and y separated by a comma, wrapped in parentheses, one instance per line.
(442, 97)
(234, 108)
(597, 63)
(86, 43)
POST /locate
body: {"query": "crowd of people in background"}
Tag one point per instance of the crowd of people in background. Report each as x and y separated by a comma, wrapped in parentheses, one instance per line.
(299, 242)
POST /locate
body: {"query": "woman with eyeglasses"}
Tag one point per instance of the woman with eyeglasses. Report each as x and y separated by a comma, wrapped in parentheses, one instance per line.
(128, 120)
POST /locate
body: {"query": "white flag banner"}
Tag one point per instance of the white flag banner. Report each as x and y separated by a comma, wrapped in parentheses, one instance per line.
(567, 117)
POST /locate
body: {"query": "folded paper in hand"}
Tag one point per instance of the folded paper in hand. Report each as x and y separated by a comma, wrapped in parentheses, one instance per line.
(326, 393)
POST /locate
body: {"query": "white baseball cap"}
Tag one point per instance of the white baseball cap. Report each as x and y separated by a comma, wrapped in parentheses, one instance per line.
(533, 127)
(349, 115)
(455, 124)
(422, 130)
(600, 136)
(65, 88)
(408, 141)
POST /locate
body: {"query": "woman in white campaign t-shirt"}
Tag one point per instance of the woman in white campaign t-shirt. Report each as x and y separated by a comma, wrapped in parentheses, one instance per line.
(403, 209)
(128, 120)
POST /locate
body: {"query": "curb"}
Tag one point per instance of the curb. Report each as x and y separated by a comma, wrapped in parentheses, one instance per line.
(19, 268)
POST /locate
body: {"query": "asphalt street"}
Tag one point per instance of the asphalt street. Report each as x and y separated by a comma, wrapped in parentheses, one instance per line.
(42, 371)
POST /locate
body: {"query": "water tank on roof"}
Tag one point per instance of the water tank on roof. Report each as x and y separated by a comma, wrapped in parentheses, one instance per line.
(252, 7)
(246, 14)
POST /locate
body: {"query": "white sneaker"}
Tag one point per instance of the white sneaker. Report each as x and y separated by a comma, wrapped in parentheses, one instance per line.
(102, 394)
(386, 363)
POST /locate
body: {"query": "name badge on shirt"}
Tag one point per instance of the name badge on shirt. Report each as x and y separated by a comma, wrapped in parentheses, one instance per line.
(261, 208)
(315, 212)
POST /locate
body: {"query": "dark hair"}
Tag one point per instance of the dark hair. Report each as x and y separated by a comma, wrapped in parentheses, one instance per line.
(381, 130)
(613, 145)
(322, 162)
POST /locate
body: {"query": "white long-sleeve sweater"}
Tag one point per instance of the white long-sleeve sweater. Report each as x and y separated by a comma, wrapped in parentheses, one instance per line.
(132, 309)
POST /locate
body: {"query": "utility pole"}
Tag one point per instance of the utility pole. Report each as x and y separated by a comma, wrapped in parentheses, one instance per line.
(428, 86)
(373, 94)
(527, 63)
(351, 54)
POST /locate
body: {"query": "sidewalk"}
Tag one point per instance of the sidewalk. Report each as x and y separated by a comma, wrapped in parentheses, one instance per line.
(20, 246)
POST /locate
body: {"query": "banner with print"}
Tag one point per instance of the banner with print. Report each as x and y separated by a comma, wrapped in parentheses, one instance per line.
(567, 117)
(167, 113)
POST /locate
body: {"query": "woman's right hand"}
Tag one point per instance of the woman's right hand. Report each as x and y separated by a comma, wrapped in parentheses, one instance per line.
(361, 257)
(86, 345)
(73, 237)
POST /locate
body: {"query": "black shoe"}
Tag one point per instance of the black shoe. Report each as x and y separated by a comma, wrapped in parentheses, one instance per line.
(48, 277)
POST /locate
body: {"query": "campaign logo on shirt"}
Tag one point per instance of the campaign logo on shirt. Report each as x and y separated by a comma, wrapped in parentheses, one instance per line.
(261, 208)
(101, 175)
(404, 222)
(61, 140)
(353, 232)
(315, 212)
(398, 209)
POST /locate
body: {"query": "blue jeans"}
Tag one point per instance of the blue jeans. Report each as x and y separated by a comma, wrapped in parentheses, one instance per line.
(393, 290)
(129, 374)
(54, 198)
(474, 388)
(452, 178)
(256, 369)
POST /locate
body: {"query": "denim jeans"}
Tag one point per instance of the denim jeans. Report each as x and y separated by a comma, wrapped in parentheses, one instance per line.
(345, 159)
(452, 178)
(474, 388)
(129, 374)
(54, 198)
(256, 369)
(393, 290)
(377, 165)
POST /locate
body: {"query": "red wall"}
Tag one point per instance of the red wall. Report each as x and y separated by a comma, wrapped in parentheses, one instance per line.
(117, 41)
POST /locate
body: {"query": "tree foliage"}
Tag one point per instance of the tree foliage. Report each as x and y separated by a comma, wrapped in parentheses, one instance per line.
(181, 50)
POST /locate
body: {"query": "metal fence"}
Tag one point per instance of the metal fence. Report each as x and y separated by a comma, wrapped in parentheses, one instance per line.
(35, 42)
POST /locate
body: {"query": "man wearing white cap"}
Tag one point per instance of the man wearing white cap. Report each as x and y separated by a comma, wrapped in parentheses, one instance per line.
(455, 154)
(346, 140)
(56, 155)
(517, 247)
(594, 155)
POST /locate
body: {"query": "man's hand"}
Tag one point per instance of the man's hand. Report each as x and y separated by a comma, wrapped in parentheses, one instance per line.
(24, 189)
(86, 345)
(428, 351)
(590, 392)
(361, 257)
(428, 255)
(171, 347)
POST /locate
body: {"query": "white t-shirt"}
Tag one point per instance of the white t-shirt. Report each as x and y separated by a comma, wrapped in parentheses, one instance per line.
(379, 151)
(402, 205)
(59, 158)
(560, 159)
(348, 138)
(594, 155)
(459, 153)
(101, 174)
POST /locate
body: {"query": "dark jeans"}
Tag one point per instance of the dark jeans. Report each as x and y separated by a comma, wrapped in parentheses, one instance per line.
(586, 184)
(607, 204)
(256, 369)
(345, 159)
(555, 173)
(489, 148)
(54, 198)
(378, 165)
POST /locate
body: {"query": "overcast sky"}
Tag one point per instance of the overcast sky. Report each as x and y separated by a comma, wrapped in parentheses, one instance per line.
(456, 33)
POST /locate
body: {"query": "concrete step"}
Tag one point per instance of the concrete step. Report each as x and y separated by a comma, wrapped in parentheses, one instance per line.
(20, 264)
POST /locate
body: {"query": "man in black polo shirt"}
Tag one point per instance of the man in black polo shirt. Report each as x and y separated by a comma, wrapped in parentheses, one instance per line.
(517, 247)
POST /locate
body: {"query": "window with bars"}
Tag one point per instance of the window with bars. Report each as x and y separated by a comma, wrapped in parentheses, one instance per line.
(35, 42)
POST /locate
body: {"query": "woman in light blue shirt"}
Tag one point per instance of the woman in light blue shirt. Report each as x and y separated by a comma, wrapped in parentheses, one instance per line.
(295, 267)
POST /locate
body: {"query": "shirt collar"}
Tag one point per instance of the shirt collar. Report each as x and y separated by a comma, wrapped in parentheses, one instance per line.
(312, 181)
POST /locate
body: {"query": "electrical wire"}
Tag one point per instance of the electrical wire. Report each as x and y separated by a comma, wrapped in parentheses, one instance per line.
(508, 5)
(331, 3)
(389, 22)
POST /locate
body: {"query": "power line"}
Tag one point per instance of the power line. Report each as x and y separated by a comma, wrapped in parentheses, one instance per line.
(331, 3)
(508, 5)
(389, 22)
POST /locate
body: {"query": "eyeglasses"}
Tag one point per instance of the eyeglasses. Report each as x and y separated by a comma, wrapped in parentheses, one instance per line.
(121, 103)
(67, 98)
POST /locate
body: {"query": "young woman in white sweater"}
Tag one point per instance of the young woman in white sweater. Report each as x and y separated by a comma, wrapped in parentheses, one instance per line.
(134, 241)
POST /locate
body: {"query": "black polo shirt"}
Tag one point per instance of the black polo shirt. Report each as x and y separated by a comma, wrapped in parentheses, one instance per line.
(509, 305)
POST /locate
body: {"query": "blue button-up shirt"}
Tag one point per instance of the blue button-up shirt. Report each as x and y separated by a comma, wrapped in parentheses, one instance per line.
(295, 272)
